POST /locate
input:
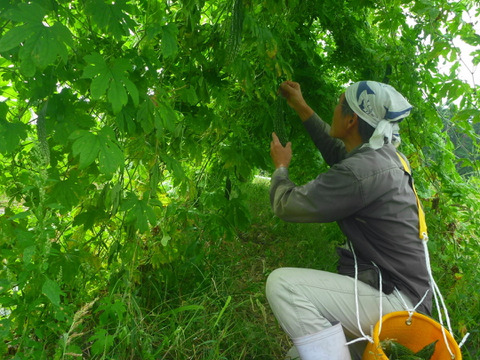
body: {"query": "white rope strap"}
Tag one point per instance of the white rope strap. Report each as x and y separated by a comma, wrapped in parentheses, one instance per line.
(410, 310)
(436, 291)
(357, 307)
(380, 290)
(438, 295)
(464, 340)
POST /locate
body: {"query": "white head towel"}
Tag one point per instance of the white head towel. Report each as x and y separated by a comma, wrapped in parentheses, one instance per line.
(381, 106)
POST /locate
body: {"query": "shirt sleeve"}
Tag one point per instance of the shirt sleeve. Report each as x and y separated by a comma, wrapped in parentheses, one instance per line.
(332, 150)
(332, 196)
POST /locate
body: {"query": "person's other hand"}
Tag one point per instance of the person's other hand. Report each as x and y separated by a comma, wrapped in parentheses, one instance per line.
(281, 155)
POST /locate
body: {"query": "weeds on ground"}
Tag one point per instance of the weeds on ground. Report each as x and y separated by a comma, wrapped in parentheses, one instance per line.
(227, 316)
(210, 303)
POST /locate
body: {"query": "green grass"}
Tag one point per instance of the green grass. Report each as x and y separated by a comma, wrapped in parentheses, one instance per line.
(220, 311)
(212, 305)
(236, 321)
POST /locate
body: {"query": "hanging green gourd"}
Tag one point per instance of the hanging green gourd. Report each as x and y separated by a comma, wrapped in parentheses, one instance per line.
(236, 29)
(279, 120)
(42, 135)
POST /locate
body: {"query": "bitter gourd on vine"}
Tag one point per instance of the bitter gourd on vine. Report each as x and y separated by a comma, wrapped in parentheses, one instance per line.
(279, 121)
(236, 29)
(42, 134)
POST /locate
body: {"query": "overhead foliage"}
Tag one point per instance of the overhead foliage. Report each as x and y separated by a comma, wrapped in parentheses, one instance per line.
(127, 127)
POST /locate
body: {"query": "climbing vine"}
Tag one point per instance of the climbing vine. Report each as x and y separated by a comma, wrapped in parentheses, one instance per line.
(128, 127)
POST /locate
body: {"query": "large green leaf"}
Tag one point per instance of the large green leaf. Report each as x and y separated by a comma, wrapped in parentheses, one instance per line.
(112, 16)
(169, 40)
(66, 193)
(117, 95)
(40, 44)
(26, 12)
(111, 78)
(139, 212)
(102, 146)
(102, 341)
(11, 134)
(52, 291)
(86, 146)
(110, 156)
(16, 36)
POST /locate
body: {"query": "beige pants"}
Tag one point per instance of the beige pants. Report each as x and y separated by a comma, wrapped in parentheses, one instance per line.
(306, 301)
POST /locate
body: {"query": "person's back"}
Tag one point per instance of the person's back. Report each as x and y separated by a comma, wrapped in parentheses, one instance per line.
(384, 230)
(369, 193)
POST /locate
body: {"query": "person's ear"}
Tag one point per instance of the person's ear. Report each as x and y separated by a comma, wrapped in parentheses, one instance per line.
(353, 121)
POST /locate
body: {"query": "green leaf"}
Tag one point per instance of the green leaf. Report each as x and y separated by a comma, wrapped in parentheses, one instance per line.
(52, 291)
(100, 85)
(11, 134)
(27, 13)
(189, 95)
(5, 324)
(66, 193)
(96, 65)
(111, 311)
(3, 111)
(97, 70)
(175, 168)
(168, 116)
(42, 44)
(27, 67)
(87, 146)
(28, 253)
(117, 95)
(5, 285)
(165, 239)
(132, 90)
(169, 40)
(42, 47)
(102, 342)
(64, 37)
(88, 217)
(111, 17)
(139, 212)
(126, 122)
(110, 156)
(111, 78)
(15, 37)
(145, 115)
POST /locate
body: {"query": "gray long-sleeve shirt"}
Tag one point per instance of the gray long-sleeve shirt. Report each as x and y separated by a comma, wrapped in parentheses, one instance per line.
(368, 193)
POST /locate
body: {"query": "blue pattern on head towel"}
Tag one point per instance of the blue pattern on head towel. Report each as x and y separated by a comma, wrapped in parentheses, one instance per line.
(395, 114)
(363, 86)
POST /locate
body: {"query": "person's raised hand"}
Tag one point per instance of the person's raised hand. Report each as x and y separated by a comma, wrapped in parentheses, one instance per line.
(291, 91)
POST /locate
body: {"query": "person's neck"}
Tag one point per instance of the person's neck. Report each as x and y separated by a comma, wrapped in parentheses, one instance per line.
(352, 143)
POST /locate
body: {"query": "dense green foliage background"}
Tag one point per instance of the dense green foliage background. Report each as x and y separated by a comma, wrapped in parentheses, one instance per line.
(131, 132)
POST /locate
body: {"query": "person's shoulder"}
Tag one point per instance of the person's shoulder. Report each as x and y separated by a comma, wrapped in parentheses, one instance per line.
(386, 153)
(366, 162)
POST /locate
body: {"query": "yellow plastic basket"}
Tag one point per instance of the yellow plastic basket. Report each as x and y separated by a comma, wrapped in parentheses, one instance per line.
(414, 334)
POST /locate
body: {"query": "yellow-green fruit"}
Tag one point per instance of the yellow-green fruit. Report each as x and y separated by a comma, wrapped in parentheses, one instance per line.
(427, 352)
(394, 350)
(279, 121)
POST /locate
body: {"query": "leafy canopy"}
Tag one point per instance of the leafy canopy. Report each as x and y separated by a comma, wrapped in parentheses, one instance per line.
(128, 127)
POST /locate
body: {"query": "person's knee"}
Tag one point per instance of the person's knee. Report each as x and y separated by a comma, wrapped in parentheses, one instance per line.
(276, 284)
